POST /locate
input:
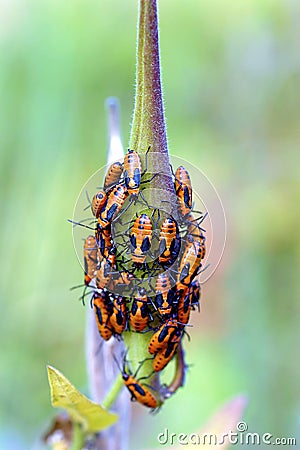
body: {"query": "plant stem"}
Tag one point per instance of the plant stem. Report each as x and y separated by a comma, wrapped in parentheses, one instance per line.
(113, 393)
(148, 126)
(78, 437)
(149, 132)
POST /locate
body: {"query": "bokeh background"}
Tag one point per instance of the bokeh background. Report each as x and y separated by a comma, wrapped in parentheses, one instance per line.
(231, 73)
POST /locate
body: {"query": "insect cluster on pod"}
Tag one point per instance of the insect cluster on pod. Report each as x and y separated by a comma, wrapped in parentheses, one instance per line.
(144, 279)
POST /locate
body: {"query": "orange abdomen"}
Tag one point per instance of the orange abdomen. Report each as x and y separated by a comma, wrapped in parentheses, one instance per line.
(162, 336)
(113, 175)
(113, 206)
(139, 313)
(102, 309)
(140, 238)
(139, 392)
(90, 258)
(164, 356)
(164, 297)
(118, 317)
(189, 263)
(98, 202)
(169, 241)
(132, 172)
(183, 190)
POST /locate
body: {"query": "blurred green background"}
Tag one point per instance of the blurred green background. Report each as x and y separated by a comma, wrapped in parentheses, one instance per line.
(231, 73)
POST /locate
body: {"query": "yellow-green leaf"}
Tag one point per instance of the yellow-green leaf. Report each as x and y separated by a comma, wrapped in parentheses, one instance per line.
(91, 416)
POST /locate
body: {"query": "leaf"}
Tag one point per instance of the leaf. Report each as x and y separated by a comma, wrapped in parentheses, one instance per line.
(91, 416)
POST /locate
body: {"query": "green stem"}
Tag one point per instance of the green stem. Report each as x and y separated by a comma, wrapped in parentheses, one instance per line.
(149, 130)
(138, 106)
(148, 126)
(113, 393)
(78, 437)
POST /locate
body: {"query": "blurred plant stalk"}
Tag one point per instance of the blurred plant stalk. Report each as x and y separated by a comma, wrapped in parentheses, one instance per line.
(101, 367)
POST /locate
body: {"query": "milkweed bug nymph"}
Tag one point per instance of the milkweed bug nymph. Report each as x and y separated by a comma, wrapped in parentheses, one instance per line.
(113, 175)
(184, 307)
(139, 313)
(188, 300)
(103, 309)
(104, 239)
(164, 297)
(98, 202)
(189, 265)
(132, 172)
(163, 335)
(113, 206)
(90, 259)
(164, 356)
(103, 274)
(140, 239)
(118, 316)
(169, 241)
(139, 392)
(183, 189)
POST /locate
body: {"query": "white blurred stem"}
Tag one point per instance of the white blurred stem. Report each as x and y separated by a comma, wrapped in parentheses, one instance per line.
(115, 147)
(101, 367)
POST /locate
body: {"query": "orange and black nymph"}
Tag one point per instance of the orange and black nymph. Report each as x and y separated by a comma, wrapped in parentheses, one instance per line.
(169, 241)
(132, 172)
(140, 238)
(183, 189)
(113, 176)
(113, 205)
(98, 202)
(139, 392)
(139, 313)
(90, 259)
